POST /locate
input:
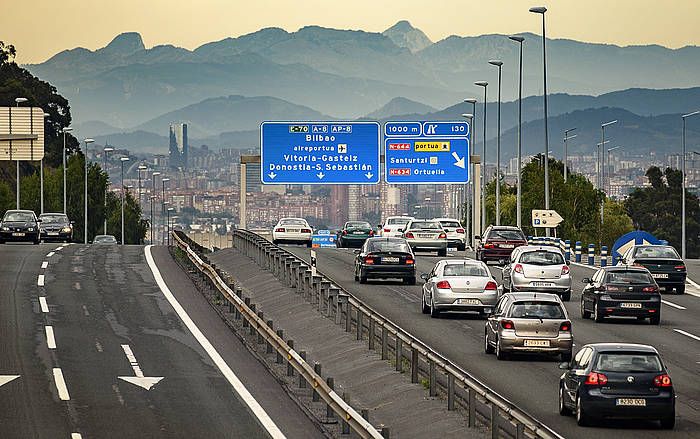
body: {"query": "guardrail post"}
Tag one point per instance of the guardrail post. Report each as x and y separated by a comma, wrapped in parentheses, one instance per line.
(261, 340)
(494, 421)
(385, 342)
(371, 331)
(450, 392)
(268, 346)
(519, 431)
(330, 414)
(567, 250)
(344, 426)
(414, 365)
(365, 414)
(290, 368)
(385, 432)
(302, 380)
(432, 379)
(591, 254)
(342, 303)
(322, 292)
(252, 327)
(280, 334)
(399, 354)
(315, 397)
(359, 324)
(246, 300)
(577, 251)
(332, 300)
(348, 318)
(471, 396)
(604, 256)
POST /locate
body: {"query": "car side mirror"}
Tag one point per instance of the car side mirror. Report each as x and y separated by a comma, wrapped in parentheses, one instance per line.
(424, 276)
(585, 280)
(564, 366)
(72, 223)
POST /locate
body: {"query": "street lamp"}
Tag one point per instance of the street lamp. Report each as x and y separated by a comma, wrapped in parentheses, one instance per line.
(163, 181)
(499, 64)
(17, 102)
(85, 232)
(684, 117)
(141, 168)
(601, 157)
(170, 209)
(104, 164)
(467, 192)
(518, 202)
(483, 159)
(65, 130)
(123, 160)
(469, 187)
(152, 198)
(566, 150)
(41, 171)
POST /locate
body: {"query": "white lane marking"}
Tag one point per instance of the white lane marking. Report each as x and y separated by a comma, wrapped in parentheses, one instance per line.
(40, 280)
(666, 302)
(4, 379)
(694, 284)
(687, 334)
(132, 360)
(60, 384)
(44, 264)
(50, 339)
(578, 264)
(235, 382)
(76, 436)
(49, 254)
(43, 304)
(59, 248)
(139, 380)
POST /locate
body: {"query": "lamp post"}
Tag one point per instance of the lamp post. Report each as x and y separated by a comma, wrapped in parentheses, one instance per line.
(499, 64)
(152, 198)
(17, 102)
(567, 137)
(609, 182)
(170, 209)
(64, 131)
(85, 232)
(123, 160)
(684, 117)
(41, 171)
(104, 164)
(470, 186)
(141, 168)
(601, 157)
(518, 200)
(467, 192)
(163, 181)
(483, 159)
(155, 197)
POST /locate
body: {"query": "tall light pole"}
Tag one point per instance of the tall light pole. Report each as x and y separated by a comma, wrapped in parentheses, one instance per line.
(17, 102)
(483, 160)
(104, 164)
(468, 201)
(85, 184)
(153, 199)
(154, 192)
(123, 160)
(567, 137)
(684, 117)
(141, 168)
(470, 185)
(41, 170)
(609, 183)
(499, 64)
(170, 209)
(64, 131)
(601, 156)
(518, 200)
(541, 10)
(163, 181)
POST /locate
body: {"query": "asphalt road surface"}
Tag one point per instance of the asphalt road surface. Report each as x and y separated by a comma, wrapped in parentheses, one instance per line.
(91, 347)
(532, 381)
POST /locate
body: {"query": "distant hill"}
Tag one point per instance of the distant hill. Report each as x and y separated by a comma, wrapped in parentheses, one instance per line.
(403, 34)
(399, 106)
(136, 141)
(92, 128)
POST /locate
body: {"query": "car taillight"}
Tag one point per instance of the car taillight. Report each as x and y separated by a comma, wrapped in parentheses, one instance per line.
(387, 230)
(679, 267)
(596, 379)
(662, 381)
(279, 229)
(443, 285)
(487, 245)
(518, 268)
(459, 230)
(637, 264)
(565, 327)
(371, 233)
(305, 230)
(442, 236)
(410, 261)
(409, 235)
(507, 324)
(491, 286)
(345, 232)
(650, 289)
(613, 288)
(565, 269)
(369, 261)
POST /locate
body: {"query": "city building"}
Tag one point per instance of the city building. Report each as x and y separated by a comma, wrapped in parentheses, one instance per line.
(179, 147)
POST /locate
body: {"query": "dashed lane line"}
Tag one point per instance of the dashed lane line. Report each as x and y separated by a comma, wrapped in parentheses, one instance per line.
(687, 334)
(50, 339)
(44, 265)
(60, 384)
(43, 304)
(49, 254)
(40, 280)
(76, 436)
(674, 305)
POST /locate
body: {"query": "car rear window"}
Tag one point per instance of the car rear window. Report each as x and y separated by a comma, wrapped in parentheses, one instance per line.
(629, 277)
(358, 225)
(656, 253)
(450, 224)
(19, 216)
(627, 362)
(542, 257)
(511, 235)
(293, 222)
(537, 310)
(425, 225)
(394, 221)
(389, 246)
(464, 270)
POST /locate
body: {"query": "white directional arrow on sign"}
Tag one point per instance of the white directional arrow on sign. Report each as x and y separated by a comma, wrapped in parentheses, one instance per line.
(629, 244)
(138, 380)
(272, 175)
(320, 175)
(4, 379)
(369, 175)
(460, 161)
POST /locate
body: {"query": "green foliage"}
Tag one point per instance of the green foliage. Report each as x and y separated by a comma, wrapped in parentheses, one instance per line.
(135, 228)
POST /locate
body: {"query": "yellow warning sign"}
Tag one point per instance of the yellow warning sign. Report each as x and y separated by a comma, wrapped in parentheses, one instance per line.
(439, 146)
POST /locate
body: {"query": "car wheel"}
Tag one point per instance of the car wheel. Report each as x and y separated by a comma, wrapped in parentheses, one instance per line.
(275, 242)
(584, 314)
(410, 280)
(425, 309)
(487, 346)
(597, 316)
(680, 289)
(363, 277)
(499, 352)
(655, 319)
(566, 356)
(442, 252)
(36, 242)
(461, 247)
(563, 409)
(2, 242)
(434, 313)
(668, 422)
(355, 275)
(582, 418)
(566, 296)
(308, 244)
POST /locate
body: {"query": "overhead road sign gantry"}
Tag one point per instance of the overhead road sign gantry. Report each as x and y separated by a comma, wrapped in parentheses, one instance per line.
(426, 152)
(319, 152)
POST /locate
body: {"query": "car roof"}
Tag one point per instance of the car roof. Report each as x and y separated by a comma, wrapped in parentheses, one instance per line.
(505, 228)
(292, 218)
(533, 295)
(401, 216)
(386, 238)
(53, 213)
(445, 219)
(19, 211)
(523, 248)
(461, 261)
(622, 347)
(623, 268)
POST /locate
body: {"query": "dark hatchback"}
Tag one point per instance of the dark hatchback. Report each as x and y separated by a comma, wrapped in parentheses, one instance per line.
(56, 227)
(663, 262)
(621, 291)
(354, 234)
(617, 381)
(498, 242)
(385, 258)
(20, 226)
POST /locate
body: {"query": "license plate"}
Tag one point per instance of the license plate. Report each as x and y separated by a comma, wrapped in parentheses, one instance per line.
(468, 302)
(506, 246)
(659, 275)
(451, 249)
(630, 305)
(391, 260)
(537, 343)
(542, 284)
(425, 235)
(18, 234)
(635, 402)
(357, 233)
(52, 233)
(293, 230)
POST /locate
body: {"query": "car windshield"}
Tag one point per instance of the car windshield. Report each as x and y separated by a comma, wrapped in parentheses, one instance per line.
(656, 253)
(542, 257)
(19, 216)
(54, 218)
(628, 362)
(450, 224)
(537, 310)
(511, 235)
(105, 238)
(395, 221)
(293, 222)
(357, 225)
(464, 270)
(432, 225)
(389, 246)
(628, 277)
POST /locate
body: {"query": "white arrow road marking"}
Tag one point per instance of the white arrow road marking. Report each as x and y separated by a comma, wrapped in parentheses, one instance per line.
(60, 384)
(460, 161)
(40, 280)
(320, 175)
(50, 339)
(44, 264)
(687, 334)
(272, 175)
(672, 304)
(4, 379)
(139, 380)
(76, 436)
(43, 304)
(369, 175)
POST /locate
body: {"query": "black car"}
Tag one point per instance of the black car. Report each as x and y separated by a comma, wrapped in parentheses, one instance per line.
(20, 225)
(353, 234)
(56, 227)
(385, 258)
(621, 291)
(663, 262)
(617, 381)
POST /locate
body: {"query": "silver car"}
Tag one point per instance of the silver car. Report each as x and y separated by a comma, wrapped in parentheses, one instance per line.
(456, 234)
(529, 322)
(426, 235)
(538, 268)
(459, 285)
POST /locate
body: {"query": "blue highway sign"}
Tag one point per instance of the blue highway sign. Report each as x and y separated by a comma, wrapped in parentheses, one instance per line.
(319, 152)
(426, 152)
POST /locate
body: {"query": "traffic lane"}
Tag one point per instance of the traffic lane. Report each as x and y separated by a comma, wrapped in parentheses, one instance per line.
(111, 320)
(533, 386)
(29, 406)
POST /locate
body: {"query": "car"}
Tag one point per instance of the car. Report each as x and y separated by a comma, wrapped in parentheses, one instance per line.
(391, 226)
(498, 242)
(427, 235)
(353, 234)
(538, 268)
(663, 262)
(56, 227)
(617, 381)
(385, 258)
(459, 285)
(456, 234)
(20, 226)
(292, 230)
(105, 239)
(621, 291)
(529, 322)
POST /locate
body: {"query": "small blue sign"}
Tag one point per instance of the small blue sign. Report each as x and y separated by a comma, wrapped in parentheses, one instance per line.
(439, 154)
(319, 152)
(323, 232)
(322, 241)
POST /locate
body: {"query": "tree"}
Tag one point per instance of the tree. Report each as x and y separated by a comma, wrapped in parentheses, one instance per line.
(135, 227)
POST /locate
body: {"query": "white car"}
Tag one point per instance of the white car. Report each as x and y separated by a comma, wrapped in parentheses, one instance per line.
(393, 225)
(292, 230)
(456, 234)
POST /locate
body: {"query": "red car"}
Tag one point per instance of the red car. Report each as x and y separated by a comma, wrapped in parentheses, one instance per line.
(498, 243)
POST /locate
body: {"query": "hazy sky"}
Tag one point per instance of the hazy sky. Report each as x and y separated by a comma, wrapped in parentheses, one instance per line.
(41, 28)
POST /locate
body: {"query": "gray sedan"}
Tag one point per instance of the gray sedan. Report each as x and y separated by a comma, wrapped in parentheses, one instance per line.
(538, 268)
(459, 285)
(426, 235)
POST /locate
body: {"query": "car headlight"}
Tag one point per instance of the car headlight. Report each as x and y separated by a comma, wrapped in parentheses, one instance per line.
(66, 230)
(605, 297)
(30, 229)
(5, 229)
